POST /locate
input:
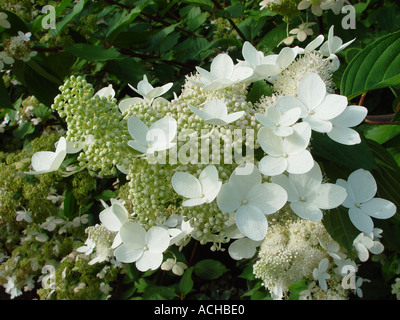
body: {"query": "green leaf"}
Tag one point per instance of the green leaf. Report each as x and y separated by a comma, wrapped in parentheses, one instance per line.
(296, 288)
(68, 17)
(106, 195)
(355, 156)
(70, 206)
(95, 53)
(259, 89)
(126, 69)
(125, 20)
(186, 282)
(205, 3)
(24, 129)
(390, 267)
(340, 228)
(377, 66)
(386, 174)
(209, 269)
(381, 133)
(250, 27)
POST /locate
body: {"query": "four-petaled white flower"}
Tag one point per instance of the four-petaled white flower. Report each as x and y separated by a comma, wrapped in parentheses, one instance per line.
(281, 118)
(318, 107)
(198, 190)
(308, 196)
(332, 46)
(215, 112)
(157, 137)
(303, 31)
(366, 243)
(148, 92)
(176, 267)
(363, 206)
(223, 73)
(48, 161)
(24, 215)
(266, 67)
(320, 274)
(252, 199)
(286, 153)
(24, 36)
(145, 248)
(341, 131)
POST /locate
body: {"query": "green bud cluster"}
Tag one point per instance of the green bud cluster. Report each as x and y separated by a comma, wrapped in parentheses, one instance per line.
(286, 8)
(96, 119)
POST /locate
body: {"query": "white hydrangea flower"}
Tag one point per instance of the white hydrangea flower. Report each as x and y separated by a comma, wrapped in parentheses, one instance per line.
(198, 190)
(363, 206)
(286, 153)
(308, 196)
(48, 161)
(303, 31)
(145, 248)
(157, 137)
(320, 274)
(251, 199)
(318, 107)
(24, 215)
(149, 93)
(281, 118)
(177, 268)
(223, 73)
(365, 243)
(333, 46)
(215, 112)
(266, 67)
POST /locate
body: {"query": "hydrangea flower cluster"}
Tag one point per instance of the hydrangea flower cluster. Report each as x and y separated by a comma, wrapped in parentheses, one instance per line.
(213, 166)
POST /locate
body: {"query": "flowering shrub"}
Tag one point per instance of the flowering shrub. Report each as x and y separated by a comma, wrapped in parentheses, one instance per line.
(141, 171)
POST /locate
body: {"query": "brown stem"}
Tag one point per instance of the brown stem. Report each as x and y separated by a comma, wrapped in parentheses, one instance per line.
(233, 24)
(362, 99)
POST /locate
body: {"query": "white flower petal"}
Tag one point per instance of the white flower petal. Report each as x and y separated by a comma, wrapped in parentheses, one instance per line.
(363, 185)
(133, 235)
(361, 220)
(272, 166)
(306, 210)
(149, 261)
(268, 197)
(344, 135)
(251, 222)
(311, 90)
(330, 196)
(127, 255)
(243, 249)
(186, 185)
(379, 208)
(157, 239)
(287, 184)
(229, 198)
(300, 163)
